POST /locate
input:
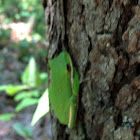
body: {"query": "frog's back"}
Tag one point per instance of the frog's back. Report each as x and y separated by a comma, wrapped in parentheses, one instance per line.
(60, 90)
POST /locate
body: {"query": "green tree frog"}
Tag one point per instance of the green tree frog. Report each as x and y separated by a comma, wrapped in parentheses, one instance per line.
(64, 88)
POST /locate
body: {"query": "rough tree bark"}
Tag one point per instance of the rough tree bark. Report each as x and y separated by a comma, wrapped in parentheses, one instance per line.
(102, 37)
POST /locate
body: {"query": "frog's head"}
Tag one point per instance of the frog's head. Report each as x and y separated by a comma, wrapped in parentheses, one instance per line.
(61, 62)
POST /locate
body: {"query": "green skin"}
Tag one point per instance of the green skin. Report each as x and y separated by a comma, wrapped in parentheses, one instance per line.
(64, 88)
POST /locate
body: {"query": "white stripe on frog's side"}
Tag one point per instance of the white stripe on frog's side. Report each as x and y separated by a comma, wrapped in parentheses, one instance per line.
(70, 116)
(72, 80)
(71, 65)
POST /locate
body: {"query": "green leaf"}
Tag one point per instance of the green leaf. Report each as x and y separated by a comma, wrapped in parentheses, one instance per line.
(6, 116)
(42, 108)
(31, 74)
(44, 76)
(25, 103)
(4, 87)
(26, 94)
(22, 130)
(12, 89)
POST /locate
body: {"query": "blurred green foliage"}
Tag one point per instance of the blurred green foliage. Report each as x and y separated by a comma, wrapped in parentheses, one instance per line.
(21, 11)
(6, 117)
(4, 34)
(42, 108)
(28, 93)
(15, 10)
(33, 83)
(22, 130)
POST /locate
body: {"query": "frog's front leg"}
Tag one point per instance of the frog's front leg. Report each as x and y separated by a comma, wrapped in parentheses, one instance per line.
(72, 111)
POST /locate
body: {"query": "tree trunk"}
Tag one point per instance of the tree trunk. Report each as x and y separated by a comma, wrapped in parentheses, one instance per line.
(102, 37)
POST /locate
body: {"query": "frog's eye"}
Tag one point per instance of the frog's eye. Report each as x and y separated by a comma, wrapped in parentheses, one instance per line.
(68, 68)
